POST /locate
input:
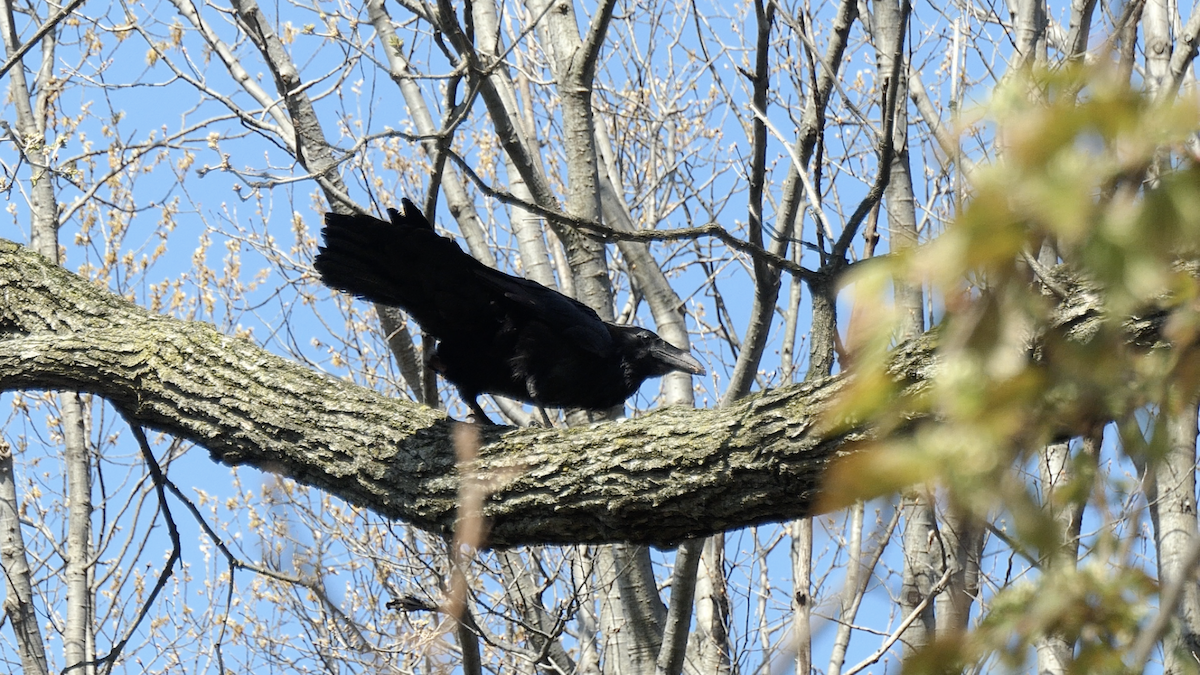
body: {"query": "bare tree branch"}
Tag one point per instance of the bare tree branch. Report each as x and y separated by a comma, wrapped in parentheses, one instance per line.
(43, 30)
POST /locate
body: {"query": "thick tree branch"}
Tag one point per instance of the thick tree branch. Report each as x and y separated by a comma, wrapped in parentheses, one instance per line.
(658, 479)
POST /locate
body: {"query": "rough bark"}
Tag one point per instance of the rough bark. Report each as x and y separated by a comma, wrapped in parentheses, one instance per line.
(822, 338)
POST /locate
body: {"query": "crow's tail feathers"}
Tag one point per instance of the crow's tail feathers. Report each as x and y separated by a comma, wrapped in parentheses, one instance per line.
(405, 263)
(361, 256)
(409, 216)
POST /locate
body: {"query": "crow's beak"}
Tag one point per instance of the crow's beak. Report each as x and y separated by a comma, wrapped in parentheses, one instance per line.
(677, 359)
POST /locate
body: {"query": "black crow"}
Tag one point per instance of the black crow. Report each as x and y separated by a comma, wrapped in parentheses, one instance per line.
(496, 333)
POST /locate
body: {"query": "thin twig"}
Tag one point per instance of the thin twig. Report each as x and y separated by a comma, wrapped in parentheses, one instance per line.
(908, 621)
(110, 659)
(887, 141)
(674, 234)
(41, 33)
(1168, 602)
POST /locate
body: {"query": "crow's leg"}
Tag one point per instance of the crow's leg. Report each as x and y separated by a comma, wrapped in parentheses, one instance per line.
(477, 415)
(545, 417)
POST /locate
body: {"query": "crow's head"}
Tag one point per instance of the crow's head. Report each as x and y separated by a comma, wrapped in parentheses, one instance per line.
(647, 355)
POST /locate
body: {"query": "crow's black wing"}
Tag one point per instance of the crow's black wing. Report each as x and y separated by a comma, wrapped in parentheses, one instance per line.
(564, 316)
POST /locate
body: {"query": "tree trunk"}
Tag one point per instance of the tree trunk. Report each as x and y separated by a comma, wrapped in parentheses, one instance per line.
(1055, 653)
(626, 582)
(709, 647)
(18, 600)
(31, 130)
(801, 554)
(1172, 497)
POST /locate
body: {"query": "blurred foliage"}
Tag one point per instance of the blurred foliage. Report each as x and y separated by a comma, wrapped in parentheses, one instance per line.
(1067, 253)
